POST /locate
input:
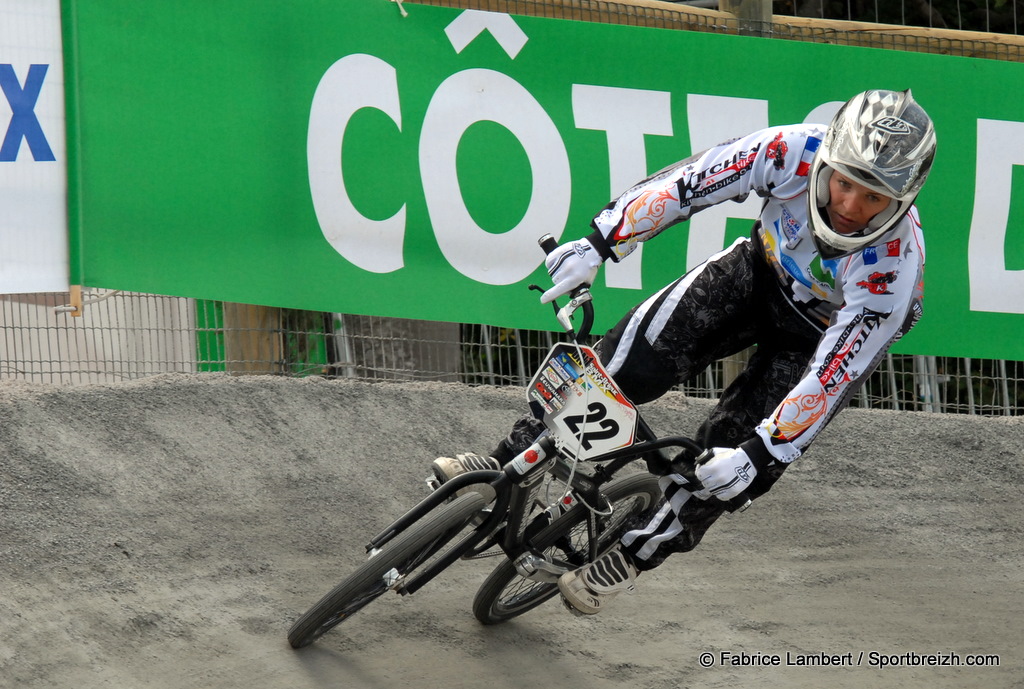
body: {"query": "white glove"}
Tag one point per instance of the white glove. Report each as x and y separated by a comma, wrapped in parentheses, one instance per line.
(570, 265)
(726, 474)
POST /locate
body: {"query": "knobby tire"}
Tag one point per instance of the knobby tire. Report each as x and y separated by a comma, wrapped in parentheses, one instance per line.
(505, 594)
(404, 553)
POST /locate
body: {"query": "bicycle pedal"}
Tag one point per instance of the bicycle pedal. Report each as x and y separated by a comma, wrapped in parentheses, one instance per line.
(568, 606)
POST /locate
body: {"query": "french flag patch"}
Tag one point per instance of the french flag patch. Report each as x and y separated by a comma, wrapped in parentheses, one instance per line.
(808, 155)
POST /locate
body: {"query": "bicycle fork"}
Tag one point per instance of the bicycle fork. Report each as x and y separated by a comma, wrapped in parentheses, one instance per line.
(581, 480)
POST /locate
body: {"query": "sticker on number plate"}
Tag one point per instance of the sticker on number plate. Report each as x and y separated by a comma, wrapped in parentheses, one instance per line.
(580, 404)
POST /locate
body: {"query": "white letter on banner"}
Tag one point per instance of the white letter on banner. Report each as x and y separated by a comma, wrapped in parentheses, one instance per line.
(351, 83)
(824, 113)
(714, 120)
(471, 23)
(477, 95)
(992, 286)
(626, 115)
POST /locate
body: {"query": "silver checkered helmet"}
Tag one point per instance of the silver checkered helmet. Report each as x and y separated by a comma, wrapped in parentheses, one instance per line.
(883, 140)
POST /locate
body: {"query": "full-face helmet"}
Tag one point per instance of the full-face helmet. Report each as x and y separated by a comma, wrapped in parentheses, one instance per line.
(883, 140)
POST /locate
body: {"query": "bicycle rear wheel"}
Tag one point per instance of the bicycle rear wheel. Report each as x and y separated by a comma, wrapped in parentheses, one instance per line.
(373, 578)
(506, 594)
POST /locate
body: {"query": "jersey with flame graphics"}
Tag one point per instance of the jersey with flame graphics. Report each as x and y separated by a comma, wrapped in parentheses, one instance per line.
(862, 302)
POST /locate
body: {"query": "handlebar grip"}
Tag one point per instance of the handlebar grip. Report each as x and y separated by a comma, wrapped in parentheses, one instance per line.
(548, 243)
(588, 320)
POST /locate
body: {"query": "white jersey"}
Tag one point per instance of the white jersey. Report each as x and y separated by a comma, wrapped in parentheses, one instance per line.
(864, 301)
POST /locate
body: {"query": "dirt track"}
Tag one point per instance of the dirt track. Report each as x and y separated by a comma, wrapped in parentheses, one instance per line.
(165, 534)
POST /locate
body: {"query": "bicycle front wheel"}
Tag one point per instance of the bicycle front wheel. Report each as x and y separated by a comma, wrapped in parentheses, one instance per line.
(398, 558)
(506, 594)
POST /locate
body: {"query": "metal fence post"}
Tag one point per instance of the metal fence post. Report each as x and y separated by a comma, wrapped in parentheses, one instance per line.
(755, 16)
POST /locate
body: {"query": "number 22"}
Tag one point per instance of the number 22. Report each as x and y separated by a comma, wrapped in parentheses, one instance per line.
(608, 428)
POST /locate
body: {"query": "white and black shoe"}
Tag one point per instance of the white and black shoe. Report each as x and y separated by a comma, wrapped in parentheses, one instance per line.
(447, 468)
(588, 589)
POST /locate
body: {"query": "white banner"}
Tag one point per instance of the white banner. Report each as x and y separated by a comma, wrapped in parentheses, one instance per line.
(33, 163)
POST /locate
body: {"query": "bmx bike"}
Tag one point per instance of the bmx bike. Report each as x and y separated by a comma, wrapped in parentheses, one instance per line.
(557, 506)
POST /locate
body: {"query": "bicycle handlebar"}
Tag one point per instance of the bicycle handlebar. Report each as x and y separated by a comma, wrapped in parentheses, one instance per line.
(578, 298)
(548, 243)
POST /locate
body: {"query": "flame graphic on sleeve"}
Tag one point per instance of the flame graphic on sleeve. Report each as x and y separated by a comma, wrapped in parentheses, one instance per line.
(797, 414)
(645, 213)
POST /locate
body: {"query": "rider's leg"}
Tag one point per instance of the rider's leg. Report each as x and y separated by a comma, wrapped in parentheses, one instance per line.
(670, 338)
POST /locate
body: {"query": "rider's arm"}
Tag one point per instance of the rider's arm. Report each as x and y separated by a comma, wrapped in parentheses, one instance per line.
(882, 287)
(770, 162)
(767, 162)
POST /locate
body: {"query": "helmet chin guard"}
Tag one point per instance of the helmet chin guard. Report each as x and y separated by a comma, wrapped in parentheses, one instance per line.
(882, 140)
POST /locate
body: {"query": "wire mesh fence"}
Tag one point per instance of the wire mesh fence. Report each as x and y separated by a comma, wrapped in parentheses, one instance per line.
(123, 336)
(967, 29)
(1000, 16)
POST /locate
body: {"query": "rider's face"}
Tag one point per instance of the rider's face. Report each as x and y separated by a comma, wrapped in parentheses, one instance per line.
(852, 204)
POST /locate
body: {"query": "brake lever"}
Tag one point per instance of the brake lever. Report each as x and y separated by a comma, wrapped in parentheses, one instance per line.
(578, 299)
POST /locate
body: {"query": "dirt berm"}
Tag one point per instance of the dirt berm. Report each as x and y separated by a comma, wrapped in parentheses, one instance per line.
(165, 533)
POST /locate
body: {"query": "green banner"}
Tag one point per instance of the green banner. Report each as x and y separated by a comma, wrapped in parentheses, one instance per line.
(366, 157)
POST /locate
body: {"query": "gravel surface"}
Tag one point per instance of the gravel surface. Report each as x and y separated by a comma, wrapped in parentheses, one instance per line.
(165, 533)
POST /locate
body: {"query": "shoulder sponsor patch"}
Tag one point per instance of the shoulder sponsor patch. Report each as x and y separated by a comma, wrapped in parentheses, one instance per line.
(878, 283)
(776, 152)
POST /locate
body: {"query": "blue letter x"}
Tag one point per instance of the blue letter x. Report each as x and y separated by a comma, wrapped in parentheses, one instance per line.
(24, 123)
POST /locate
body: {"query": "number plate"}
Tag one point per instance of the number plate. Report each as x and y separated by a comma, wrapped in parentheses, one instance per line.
(580, 404)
